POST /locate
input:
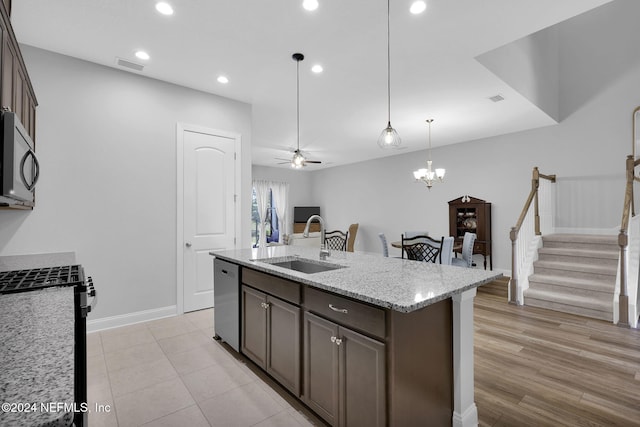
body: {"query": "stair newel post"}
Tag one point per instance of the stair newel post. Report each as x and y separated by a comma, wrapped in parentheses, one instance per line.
(623, 241)
(535, 184)
(513, 283)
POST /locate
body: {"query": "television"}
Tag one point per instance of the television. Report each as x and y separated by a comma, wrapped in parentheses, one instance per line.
(302, 213)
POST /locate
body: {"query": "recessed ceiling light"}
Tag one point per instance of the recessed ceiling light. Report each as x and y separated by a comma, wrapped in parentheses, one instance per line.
(223, 80)
(310, 4)
(141, 54)
(164, 8)
(418, 7)
(317, 68)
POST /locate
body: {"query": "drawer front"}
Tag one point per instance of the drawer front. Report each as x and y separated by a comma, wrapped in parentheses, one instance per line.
(281, 288)
(347, 312)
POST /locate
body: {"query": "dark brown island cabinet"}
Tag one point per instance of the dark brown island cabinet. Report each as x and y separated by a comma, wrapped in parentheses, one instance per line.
(352, 363)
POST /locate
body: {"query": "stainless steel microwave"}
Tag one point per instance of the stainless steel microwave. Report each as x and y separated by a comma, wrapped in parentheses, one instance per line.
(19, 167)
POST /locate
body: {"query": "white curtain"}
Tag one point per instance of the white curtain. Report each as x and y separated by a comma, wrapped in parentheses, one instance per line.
(262, 198)
(280, 193)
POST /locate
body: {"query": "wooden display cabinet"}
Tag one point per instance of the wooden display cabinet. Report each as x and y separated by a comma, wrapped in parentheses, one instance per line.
(472, 216)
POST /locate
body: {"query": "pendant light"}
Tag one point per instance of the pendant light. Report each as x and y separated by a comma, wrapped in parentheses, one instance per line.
(298, 160)
(389, 138)
(428, 176)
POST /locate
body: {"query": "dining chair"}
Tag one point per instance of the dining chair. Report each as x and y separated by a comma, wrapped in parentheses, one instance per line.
(467, 251)
(353, 230)
(336, 240)
(421, 248)
(409, 234)
(385, 247)
(446, 250)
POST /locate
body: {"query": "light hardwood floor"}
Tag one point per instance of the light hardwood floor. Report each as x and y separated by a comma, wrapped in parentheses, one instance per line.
(537, 367)
(533, 367)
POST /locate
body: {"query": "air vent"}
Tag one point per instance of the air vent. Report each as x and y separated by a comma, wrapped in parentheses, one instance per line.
(496, 98)
(128, 64)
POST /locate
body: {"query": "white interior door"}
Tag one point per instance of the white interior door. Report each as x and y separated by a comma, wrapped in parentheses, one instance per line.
(209, 182)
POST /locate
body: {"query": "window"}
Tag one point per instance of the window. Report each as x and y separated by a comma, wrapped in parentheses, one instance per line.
(271, 227)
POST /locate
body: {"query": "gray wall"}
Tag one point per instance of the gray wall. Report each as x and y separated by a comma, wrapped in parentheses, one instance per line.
(106, 140)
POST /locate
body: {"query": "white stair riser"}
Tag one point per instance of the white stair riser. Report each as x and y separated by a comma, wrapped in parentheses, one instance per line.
(602, 294)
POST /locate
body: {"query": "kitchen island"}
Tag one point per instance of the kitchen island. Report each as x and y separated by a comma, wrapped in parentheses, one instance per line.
(359, 338)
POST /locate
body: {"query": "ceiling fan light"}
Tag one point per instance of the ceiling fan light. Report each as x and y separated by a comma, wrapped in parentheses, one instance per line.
(310, 4)
(297, 161)
(417, 7)
(389, 138)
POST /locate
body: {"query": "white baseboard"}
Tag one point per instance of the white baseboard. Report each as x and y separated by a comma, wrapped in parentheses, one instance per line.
(131, 318)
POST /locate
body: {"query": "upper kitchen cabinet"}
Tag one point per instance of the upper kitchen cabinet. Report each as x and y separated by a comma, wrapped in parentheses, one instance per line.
(16, 91)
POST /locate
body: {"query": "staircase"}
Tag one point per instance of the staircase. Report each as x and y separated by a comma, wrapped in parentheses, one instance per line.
(575, 273)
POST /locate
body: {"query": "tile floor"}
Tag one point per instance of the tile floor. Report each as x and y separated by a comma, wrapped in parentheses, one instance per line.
(170, 372)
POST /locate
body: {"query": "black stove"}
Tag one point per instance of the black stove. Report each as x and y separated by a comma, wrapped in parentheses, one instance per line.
(38, 278)
(33, 279)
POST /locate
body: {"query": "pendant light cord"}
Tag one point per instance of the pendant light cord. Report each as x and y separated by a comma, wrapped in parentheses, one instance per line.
(429, 121)
(388, 62)
(298, 102)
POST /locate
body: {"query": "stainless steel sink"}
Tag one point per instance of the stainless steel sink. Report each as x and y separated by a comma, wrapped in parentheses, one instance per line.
(302, 265)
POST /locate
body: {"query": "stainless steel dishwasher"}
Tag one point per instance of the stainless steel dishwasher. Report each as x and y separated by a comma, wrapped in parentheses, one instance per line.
(226, 296)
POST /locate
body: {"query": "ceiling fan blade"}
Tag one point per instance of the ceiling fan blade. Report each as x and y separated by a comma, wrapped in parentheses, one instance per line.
(286, 160)
(283, 163)
(312, 161)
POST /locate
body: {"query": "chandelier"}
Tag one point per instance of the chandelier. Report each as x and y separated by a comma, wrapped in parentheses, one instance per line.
(428, 176)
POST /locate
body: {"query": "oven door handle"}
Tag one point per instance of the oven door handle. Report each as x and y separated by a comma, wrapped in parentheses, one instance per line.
(36, 164)
(91, 291)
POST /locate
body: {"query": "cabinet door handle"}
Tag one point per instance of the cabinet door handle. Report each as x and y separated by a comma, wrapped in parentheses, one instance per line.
(339, 310)
(333, 339)
(338, 341)
(264, 305)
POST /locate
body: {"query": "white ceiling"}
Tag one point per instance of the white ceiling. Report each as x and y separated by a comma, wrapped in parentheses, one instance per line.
(343, 110)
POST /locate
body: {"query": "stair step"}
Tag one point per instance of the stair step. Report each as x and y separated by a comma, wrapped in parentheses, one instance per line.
(572, 284)
(581, 256)
(586, 241)
(576, 270)
(575, 273)
(569, 303)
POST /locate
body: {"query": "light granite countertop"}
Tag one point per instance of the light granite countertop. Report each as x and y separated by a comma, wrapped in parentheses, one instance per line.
(392, 283)
(36, 356)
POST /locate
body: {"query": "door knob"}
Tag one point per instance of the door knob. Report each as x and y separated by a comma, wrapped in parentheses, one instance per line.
(188, 244)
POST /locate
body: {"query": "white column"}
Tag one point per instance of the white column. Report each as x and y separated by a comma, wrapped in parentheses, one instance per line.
(465, 412)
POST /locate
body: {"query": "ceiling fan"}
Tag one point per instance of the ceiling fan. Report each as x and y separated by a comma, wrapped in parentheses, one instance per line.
(298, 160)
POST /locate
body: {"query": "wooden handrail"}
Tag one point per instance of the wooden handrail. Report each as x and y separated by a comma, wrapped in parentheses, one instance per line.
(513, 235)
(533, 194)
